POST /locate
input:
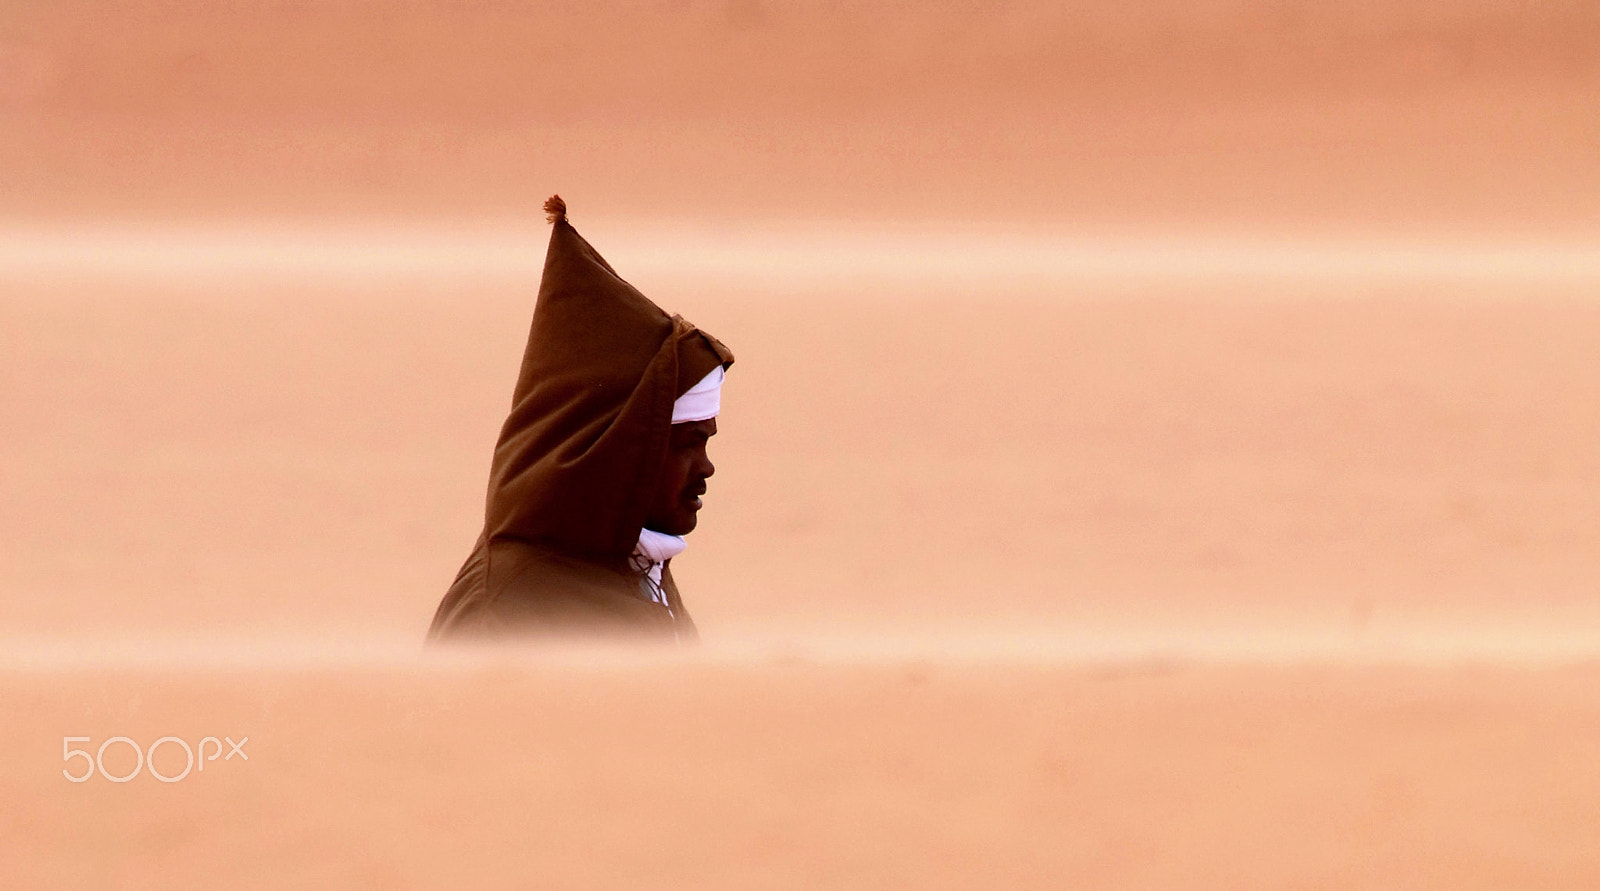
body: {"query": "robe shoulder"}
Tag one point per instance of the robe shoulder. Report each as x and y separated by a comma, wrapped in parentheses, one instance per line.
(510, 589)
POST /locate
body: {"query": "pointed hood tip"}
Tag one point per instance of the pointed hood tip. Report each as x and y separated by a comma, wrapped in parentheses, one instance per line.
(555, 210)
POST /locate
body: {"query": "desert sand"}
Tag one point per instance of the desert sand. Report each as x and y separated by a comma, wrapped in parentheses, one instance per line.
(792, 773)
(1161, 452)
(281, 455)
(1128, 583)
(1363, 114)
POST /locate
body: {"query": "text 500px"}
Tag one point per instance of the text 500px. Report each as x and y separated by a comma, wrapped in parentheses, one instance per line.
(145, 759)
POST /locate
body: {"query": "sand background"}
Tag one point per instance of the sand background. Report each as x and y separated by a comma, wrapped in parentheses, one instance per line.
(1160, 454)
(1367, 115)
(298, 458)
(800, 774)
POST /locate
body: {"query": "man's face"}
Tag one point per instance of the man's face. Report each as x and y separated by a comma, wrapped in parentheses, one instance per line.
(675, 509)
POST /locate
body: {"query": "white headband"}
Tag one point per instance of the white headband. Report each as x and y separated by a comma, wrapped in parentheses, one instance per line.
(703, 400)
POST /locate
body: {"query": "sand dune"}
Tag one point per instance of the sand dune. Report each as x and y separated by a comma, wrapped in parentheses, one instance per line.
(271, 454)
(1129, 582)
(1351, 114)
(792, 774)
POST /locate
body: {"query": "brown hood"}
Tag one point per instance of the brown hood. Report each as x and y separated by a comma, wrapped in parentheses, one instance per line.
(581, 451)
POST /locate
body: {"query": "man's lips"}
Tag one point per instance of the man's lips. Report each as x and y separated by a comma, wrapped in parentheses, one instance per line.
(693, 493)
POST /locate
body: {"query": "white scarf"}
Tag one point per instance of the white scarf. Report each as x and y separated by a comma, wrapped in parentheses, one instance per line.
(650, 554)
(702, 402)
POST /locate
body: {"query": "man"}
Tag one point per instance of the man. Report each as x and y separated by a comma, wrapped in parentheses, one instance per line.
(600, 466)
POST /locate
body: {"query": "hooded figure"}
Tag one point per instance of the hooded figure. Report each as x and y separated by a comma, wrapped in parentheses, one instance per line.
(586, 451)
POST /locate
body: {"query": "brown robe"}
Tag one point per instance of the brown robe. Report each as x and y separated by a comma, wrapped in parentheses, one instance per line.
(578, 459)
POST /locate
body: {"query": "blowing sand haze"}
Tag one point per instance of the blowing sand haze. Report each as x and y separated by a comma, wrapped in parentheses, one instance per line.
(1161, 451)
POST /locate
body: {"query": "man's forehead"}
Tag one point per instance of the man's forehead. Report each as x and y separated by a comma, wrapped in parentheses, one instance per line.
(708, 427)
